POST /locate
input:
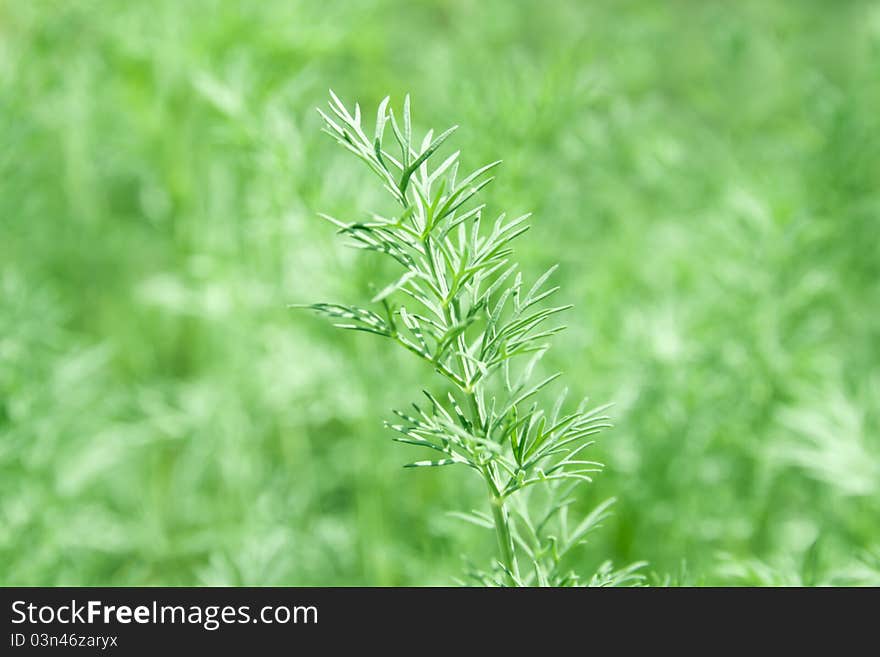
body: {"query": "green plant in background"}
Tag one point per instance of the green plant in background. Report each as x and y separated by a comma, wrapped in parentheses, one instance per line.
(164, 422)
(461, 305)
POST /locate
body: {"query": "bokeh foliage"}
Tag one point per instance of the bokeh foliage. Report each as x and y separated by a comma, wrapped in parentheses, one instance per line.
(706, 173)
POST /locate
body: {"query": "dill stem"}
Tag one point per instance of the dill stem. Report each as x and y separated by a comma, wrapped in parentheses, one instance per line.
(500, 516)
(502, 532)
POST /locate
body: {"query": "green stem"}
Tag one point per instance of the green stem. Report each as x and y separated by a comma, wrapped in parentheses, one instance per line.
(502, 532)
(500, 516)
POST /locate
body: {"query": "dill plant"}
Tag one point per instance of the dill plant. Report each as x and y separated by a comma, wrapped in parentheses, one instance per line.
(460, 304)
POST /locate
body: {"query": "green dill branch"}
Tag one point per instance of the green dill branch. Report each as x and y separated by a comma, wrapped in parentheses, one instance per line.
(460, 305)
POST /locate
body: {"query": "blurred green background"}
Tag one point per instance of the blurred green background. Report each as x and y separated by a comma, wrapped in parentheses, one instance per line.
(706, 173)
